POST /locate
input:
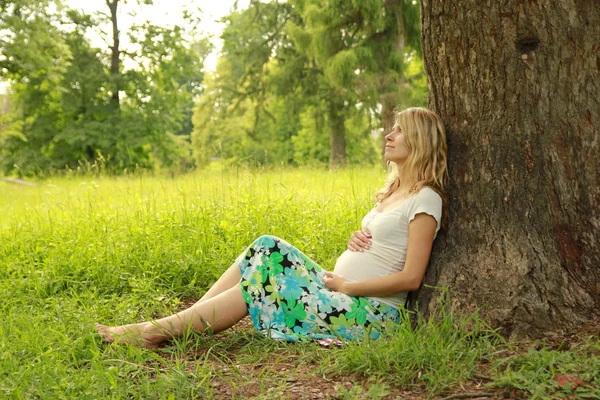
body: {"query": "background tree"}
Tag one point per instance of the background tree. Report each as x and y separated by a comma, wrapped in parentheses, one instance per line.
(360, 48)
(116, 73)
(64, 110)
(298, 83)
(85, 113)
(34, 57)
(234, 119)
(398, 37)
(161, 90)
(327, 67)
(517, 87)
(115, 59)
(252, 104)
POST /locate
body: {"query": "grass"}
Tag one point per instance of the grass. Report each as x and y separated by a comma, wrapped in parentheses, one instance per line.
(440, 352)
(534, 371)
(117, 250)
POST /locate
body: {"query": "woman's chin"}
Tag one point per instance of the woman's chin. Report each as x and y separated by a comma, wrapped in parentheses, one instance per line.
(394, 160)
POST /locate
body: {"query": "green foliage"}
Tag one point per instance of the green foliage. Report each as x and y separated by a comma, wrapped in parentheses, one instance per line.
(310, 144)
(62, 114)
(410, 17)
(251, 107)
(413, 92)
(34, 57)
(362, 148)
(301, 38)
(535, 372)
(282, 64)
(341, 67)
(162, 90)
(219, 124)
(76, 250)
(332, 60)
(441, 351)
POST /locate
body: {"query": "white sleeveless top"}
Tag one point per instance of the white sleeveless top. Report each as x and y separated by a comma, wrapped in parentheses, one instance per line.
(389, 242)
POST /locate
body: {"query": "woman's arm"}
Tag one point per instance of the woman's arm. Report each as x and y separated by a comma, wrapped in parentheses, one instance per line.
(421, 232)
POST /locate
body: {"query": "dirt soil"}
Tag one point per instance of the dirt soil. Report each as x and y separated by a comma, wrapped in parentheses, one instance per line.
(284, 378)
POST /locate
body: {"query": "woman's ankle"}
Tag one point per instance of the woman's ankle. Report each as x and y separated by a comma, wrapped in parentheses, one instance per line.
(152, 333)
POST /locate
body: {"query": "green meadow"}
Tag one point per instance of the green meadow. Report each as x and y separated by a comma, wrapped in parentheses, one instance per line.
(77, 250)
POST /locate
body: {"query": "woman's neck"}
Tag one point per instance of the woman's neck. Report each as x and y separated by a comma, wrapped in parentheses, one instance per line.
(406, 183)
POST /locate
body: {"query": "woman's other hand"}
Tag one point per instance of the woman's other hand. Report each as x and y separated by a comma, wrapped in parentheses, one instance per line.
(359, 241)
(334, 282)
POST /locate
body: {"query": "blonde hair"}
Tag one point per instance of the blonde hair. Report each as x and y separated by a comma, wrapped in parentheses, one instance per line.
(426, 164)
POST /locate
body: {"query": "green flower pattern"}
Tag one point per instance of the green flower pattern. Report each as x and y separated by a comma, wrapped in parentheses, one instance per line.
(270, 265)
(293, 312)
(287, 299)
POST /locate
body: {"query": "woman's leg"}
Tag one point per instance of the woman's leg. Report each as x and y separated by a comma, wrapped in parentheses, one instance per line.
(229, 279)
(151, 333)
(217, 313)
(232, 276)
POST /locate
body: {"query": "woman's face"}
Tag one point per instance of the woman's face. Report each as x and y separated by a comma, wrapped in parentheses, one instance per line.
(396, 149)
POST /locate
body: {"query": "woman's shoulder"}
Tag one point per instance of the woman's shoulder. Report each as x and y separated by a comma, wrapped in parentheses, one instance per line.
(427, 201)
(428, 194)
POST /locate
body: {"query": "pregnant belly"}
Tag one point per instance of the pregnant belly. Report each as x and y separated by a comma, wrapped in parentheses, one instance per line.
(360, 265)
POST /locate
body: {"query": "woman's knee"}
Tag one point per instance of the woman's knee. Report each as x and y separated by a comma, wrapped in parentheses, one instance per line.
(266, 239)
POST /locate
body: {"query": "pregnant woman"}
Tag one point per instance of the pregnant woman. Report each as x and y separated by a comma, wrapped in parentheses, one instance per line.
(290, 297)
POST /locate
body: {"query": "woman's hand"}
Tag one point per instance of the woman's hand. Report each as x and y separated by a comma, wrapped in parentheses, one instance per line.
(334, 282)
(359, 241)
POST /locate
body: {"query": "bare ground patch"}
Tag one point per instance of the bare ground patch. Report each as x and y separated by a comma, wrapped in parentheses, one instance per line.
(287, 374)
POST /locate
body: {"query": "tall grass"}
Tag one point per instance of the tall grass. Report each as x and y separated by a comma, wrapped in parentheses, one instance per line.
(117, 250)
(535, 372)
(440, 352)
(75, 250)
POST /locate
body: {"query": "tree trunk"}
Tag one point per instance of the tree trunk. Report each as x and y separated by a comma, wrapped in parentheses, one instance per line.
(388, 102)
(115, 71)
(389, 99)
(517, 83)
(337, 133)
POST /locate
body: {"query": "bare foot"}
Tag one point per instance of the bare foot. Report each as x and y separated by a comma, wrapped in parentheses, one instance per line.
(142, 335)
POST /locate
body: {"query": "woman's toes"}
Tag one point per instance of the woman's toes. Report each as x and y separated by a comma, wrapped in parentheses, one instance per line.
(129, 334)
(105, 333)
(150, 345)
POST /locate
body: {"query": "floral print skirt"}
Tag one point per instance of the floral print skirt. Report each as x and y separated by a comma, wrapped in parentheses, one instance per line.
(288, 300)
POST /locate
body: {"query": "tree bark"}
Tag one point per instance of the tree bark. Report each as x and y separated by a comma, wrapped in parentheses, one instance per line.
(389, 99)
(337, 133)
(388, 102)
(115, 70)
(517, 83)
